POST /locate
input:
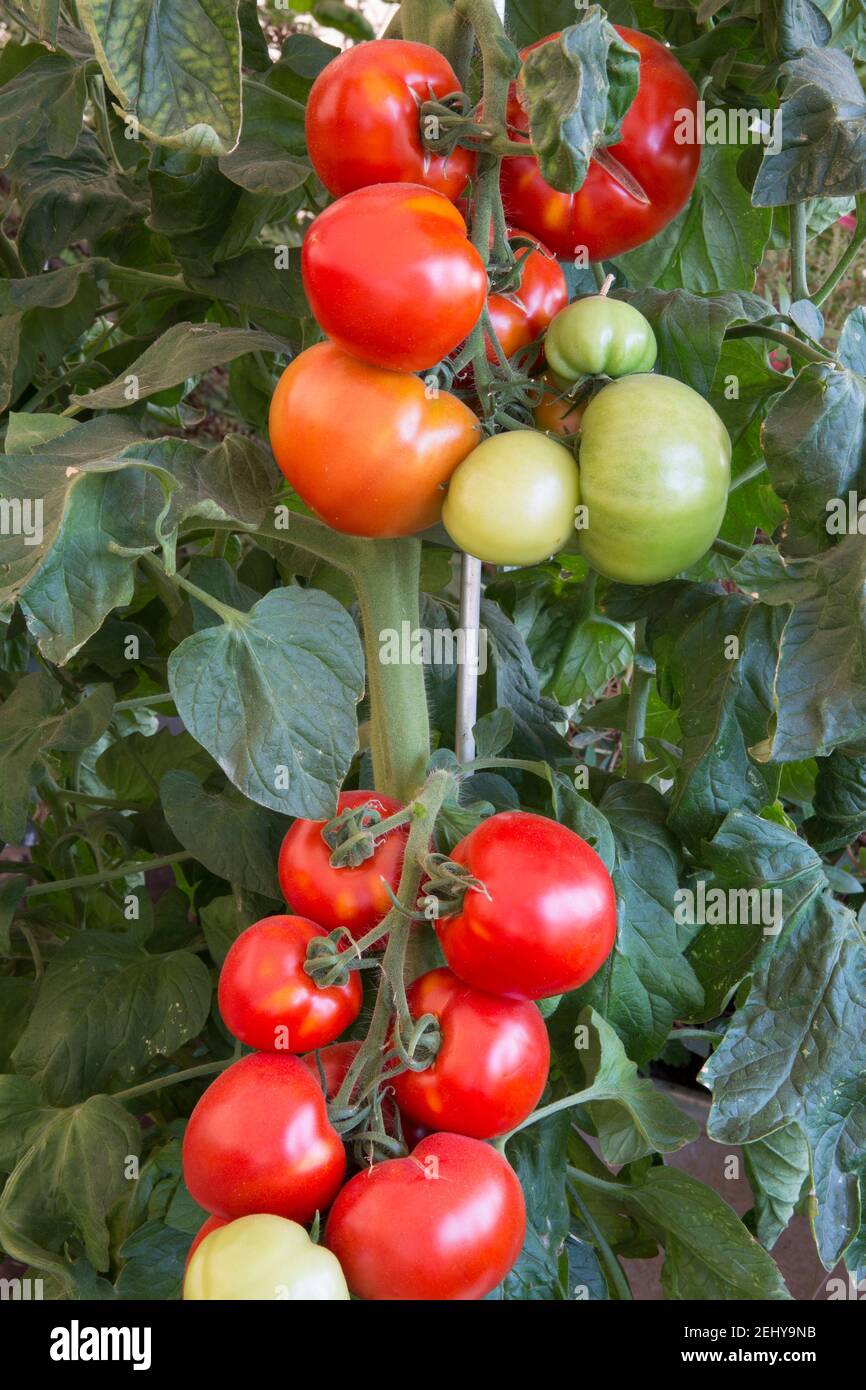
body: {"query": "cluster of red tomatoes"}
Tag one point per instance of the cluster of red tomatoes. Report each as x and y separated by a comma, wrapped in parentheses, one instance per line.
(397, 286)
(261, 1152)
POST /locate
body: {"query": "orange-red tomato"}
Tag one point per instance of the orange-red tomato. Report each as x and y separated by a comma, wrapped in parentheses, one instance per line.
(352, 896)
(392, 276)
(368, 450)
(267, 999)
(602, 216)
(363, 119)
(556, 413)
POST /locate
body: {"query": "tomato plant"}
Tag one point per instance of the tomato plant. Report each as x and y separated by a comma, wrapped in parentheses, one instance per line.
(445, 1223)
(268, 1001)
(392, 484)
(431, 633)
(392, 277)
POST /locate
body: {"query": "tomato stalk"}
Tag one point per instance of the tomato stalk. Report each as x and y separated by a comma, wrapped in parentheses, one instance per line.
(635, 758)
(368, 1064)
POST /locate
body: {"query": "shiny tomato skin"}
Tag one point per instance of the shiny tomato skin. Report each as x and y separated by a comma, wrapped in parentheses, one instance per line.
(492, 1062)
(392, 277)
(446, 1223)
(263, 1257)
(549, 922)
(601, 216)
(259, 1140)
(352, 896)
(366, 449)
(543, 291)
(598, 336)
(266, 998)
(655, 495)
(363, 119)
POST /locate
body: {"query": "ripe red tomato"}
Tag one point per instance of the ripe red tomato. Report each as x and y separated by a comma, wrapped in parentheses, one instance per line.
(550, 920)
(392, 277)
(445, 1223)
(491, 1065)
(267, 999)
(601, 216)
(363, 119)
(353, 897)
(259, 1140)
(368, 450)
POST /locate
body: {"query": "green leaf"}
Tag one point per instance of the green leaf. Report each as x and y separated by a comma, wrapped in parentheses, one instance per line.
(596, 650)
(646, 983)
(154, 1257)
(107, 1008)
(537, 1155)
(272, 697)
(778, 1171)
(174, 64)
(690, 329)
(709, 1254)
(333, 14)
(33, 721)
(726, 707)
(796, 1054)
(826, 632)
(839, 801)
(748, 855)
(631, 1116)
(511, 682)
(577, 90)
(134, 766)
(232, 836)
(823, 125)
(815, 445)
(184, 350)
(72, 1171)
(11, 892)
(716, 242)
(269, 157)
(851, 348)
(43, 103)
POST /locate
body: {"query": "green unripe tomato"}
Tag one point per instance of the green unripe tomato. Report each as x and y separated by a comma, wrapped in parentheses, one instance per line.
(599, 336)
(655, 467)
(266, 1258)
(512, 500)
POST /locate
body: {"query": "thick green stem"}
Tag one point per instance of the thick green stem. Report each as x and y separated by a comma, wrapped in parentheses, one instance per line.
(612, 1265)
(778, 335)
(143, 866)
(387, 576)
(174, 1079)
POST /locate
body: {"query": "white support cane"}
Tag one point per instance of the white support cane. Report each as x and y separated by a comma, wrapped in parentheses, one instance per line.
(470, 624)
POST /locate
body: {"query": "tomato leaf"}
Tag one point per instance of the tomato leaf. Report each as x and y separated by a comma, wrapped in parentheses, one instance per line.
(778, 1171)
(232, 836)
(577, 90)
(778, 1065)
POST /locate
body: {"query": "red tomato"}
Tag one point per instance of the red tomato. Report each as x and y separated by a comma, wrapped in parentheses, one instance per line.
(259, 1140)
(601, 216)
(353, 897)
(363, 119)
(368, 450)
(491, 1065)
(392, 277)
(522, 316)
(445, 1223)
(267, 999)
(550, 920)
(213, 1223)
